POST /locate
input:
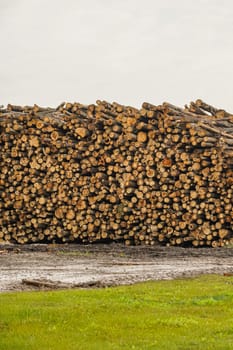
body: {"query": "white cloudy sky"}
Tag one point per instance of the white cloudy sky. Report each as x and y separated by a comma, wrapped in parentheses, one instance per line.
(123, 50)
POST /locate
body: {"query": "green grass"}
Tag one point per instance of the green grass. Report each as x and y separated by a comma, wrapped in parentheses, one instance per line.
(168, 315)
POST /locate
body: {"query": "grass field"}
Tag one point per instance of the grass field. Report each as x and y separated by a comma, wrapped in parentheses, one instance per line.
(169, 315)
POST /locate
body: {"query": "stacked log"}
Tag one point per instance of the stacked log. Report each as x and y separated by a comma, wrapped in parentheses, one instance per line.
(108, 172)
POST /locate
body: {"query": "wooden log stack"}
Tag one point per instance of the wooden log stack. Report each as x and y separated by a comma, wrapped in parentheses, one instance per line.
(108, 172)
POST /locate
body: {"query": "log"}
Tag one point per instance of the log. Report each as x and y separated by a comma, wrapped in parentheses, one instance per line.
(108, 172)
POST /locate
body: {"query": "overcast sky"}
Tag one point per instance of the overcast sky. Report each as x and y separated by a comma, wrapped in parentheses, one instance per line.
(128, 51)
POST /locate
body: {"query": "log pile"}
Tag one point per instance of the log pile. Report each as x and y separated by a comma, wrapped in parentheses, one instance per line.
(108, 172)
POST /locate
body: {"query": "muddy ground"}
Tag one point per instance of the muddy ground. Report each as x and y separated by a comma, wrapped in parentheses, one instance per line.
(33, 267)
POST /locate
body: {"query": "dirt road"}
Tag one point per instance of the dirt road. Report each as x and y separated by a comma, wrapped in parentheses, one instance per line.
(104, 265)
